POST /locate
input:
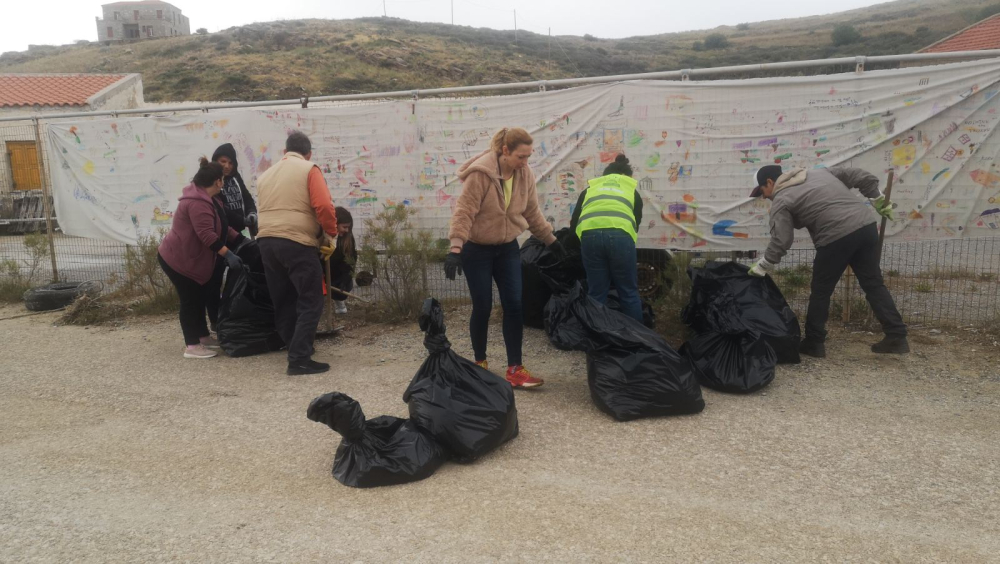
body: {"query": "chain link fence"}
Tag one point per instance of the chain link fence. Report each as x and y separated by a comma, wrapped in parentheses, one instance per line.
(948, 282)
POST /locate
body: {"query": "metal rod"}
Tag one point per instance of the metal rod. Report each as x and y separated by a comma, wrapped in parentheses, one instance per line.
(329, 294)
(881, 231)
(704, 72)
(46, 194)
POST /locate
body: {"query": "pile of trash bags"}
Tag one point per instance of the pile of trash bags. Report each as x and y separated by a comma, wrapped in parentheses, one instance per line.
(458, 412)
(743, 325)
(631, 371)
(541, 272)
(246, 314)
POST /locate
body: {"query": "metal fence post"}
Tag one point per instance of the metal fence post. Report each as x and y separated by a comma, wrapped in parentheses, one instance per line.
(46, 195)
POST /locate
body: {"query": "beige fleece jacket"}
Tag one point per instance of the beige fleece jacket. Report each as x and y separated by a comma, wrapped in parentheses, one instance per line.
(480, 216)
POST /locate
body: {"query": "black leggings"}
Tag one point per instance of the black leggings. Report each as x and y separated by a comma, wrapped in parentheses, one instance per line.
(196, 300)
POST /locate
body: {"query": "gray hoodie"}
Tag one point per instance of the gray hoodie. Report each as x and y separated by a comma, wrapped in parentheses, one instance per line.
(819, 200)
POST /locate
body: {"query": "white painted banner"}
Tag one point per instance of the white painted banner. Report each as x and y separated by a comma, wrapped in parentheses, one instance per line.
(694, 147)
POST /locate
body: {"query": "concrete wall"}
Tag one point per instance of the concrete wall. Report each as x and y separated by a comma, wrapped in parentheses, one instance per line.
(122, 16)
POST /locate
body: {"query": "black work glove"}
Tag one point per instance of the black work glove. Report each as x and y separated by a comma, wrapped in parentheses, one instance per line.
(452, 265)
(233, 261)
(250, 220)
(557, 250)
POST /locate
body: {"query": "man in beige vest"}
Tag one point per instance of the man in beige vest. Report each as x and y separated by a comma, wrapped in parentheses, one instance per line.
(295, 214)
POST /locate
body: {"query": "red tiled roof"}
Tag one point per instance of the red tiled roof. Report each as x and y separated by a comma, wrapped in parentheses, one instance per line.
(52, 89)
(976, 37)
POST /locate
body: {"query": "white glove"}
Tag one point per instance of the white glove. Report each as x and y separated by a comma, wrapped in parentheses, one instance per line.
(761, 268)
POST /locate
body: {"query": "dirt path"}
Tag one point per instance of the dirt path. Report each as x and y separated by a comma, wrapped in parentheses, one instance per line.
(114, 448)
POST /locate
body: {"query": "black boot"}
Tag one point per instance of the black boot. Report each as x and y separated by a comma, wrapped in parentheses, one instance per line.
(891, 345)
(307, 367)
(812, 348)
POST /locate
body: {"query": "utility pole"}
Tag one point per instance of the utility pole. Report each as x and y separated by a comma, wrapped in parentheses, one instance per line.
(515, 27)
(550, 45)
(383, 9)
(452, 12)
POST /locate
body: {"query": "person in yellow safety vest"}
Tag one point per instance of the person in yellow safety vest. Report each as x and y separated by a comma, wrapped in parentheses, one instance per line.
(606, 217)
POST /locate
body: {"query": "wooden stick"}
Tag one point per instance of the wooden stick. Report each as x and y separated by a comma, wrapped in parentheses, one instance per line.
(348, 294)
(329, 294)
(881, 232)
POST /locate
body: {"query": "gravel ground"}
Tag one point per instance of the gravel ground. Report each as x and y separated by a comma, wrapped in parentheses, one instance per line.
(114, 448)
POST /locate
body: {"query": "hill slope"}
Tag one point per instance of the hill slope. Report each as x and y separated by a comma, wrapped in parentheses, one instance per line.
(321, 57)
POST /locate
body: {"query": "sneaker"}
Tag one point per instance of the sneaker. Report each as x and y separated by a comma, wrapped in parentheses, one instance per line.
(519, 377)
(891, 345)
(483, 364)
(307, 367)
(210, 342)
(339, 306)
(198, 351)
(812, 348)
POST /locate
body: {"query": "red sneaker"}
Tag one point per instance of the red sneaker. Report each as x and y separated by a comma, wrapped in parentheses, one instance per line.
(519, 377)
(483, 364)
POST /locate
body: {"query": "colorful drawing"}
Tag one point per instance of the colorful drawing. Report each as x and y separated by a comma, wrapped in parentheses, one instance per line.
(904, 155)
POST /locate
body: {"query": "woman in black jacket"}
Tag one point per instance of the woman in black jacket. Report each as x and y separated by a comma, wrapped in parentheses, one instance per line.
(240, 208)
(344, 257)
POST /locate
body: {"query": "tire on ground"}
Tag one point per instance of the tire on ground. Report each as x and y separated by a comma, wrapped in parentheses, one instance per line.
(55, 296)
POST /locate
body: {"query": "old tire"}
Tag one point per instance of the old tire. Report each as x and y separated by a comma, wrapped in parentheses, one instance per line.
(55, 296)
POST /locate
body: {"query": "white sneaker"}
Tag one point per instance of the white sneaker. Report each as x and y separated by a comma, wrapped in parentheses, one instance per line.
(198, 351)
(339, 306)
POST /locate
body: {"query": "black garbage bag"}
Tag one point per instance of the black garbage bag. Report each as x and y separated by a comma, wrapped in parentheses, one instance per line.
(725, 299)
(467, 409)
(246, 314)
(632, 372)
(536, 288)
(648, 315)
(739, 364)
(383, 451)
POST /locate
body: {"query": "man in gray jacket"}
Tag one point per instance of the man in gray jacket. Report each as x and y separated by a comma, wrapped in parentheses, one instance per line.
(844, 234)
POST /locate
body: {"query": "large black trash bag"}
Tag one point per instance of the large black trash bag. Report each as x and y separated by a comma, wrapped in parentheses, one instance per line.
(632, 372)
(536, 289)
(379, 452)
(246, 314)
(467, 409)
(739, 364)
(648, 315)
(725, 299)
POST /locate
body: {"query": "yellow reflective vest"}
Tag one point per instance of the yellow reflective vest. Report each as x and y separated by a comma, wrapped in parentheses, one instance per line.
(608, 204)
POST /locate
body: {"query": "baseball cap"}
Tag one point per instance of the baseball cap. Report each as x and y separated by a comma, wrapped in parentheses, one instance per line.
(760, 178)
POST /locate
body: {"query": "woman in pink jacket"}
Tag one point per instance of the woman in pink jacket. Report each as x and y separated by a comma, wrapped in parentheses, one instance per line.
(188, 254)
(497, 204)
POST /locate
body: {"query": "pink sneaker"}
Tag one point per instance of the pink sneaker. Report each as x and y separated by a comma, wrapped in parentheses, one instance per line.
(209, 342)
(198, 351)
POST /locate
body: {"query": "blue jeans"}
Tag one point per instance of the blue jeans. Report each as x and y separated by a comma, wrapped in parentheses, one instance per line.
(482, 265)
(609, 259)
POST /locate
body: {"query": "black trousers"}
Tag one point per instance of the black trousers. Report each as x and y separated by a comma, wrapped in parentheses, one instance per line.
(196, 300)
(859, 250)
(295, 282)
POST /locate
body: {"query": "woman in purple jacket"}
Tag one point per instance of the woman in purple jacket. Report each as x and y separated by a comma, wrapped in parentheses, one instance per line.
(198, 235)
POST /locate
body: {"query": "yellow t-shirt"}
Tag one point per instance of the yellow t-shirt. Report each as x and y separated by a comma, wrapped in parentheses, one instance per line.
(508, 185)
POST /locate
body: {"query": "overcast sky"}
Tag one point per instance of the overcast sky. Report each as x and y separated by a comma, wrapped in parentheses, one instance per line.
(57, 22)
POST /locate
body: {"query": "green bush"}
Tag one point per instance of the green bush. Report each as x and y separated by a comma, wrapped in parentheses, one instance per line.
(16, 277)
(716, 41)
(398, 255)
(845, 34)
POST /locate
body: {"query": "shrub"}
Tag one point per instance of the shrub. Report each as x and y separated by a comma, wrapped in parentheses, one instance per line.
(398, 255)
(201, 31)
(743, 26)
(845, 34)
(716, 41)
(16, 277)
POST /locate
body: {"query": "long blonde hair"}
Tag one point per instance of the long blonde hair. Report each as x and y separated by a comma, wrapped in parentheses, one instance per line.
(510, 137)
